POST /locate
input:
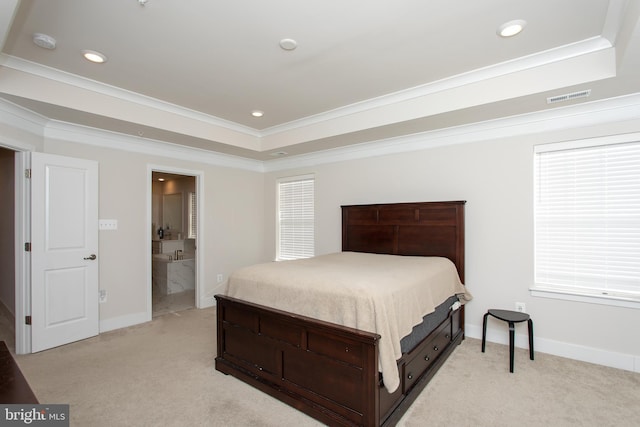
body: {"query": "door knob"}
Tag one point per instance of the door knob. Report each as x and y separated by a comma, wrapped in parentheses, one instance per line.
(91, 257)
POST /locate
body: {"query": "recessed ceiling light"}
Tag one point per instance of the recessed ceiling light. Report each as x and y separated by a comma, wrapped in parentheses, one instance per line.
(279, 154)
(44, 41)
(93, 56)
(161, 179)
(511, 28)
(288, 44)
(257, 113)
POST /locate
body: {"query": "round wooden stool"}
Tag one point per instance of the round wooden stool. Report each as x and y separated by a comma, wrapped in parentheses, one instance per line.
(512, 317)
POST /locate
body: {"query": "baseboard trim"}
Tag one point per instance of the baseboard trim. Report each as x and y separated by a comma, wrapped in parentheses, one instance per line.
(627, 362)
(207, 302)
(107, 325)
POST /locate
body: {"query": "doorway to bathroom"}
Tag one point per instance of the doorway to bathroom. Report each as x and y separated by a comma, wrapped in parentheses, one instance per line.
(174, 241)
(7, 248)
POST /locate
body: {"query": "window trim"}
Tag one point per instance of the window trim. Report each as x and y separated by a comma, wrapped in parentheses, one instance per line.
(592, 296)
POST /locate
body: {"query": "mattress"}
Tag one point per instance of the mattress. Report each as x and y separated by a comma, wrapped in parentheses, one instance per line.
(383, 294)
(429, 323)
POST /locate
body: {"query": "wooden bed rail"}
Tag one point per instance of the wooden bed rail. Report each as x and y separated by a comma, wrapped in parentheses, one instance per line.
(327, 371)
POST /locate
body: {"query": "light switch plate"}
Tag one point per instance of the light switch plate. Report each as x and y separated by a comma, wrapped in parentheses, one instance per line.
(108, 224)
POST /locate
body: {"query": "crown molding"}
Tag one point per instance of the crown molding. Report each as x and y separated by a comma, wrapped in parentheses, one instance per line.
(574, 116)
(532, 61)
(551, 56)
(44, 128)
(23, 120)
(68, 132)
(568, 117)
(56, 75)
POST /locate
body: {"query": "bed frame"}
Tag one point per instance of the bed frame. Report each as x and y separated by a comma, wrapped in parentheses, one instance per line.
(329, 371)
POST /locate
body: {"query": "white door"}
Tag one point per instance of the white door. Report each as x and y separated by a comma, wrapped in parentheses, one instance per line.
(64, 250)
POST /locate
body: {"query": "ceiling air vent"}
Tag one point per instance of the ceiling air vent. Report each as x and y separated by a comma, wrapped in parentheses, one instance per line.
(568, 96)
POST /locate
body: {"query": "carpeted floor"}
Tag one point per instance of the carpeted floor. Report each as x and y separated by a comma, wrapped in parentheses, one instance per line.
(161, 374)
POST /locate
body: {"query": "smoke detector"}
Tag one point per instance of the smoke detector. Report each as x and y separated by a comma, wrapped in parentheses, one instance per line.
(44, 41)
(288, 44)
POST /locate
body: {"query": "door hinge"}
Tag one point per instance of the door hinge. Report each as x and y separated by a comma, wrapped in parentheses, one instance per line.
(27, 320)
(27, 173)
(27, 247)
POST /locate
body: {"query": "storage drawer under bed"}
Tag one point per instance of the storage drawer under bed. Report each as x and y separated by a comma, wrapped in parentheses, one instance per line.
(425, 354)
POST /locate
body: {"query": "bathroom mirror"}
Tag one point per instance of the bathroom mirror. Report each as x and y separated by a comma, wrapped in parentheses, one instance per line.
(172, 212)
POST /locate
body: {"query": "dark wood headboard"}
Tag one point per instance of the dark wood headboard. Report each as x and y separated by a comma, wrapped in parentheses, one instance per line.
(417, 229)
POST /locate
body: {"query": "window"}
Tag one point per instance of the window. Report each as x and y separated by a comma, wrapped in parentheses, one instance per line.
(587, 220)
(193, 215)
(295, 218)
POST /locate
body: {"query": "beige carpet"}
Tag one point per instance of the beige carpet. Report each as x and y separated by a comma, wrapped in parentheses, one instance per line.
(161, 374)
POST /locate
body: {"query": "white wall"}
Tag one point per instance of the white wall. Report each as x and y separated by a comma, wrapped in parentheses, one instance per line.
(494, 174)
(495, 177)
(232, 223)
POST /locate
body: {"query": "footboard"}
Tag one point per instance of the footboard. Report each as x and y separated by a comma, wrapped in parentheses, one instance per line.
(325, 370)
(328, 371)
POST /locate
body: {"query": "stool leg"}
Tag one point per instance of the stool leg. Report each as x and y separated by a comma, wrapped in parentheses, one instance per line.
(511, 338)
(530, 322)
(484, 330)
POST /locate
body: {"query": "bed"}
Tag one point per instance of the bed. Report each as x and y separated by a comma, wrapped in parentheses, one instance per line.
(333, 370)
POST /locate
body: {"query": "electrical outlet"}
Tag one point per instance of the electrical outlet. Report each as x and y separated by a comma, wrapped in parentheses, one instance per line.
(220, 277)
(521, 307)
(102, 296)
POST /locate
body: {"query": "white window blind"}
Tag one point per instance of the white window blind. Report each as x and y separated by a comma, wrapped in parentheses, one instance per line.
(193, 215)
(587, 219)
(296, 218)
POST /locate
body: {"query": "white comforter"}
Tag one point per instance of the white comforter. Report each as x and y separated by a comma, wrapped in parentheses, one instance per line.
(384, 294)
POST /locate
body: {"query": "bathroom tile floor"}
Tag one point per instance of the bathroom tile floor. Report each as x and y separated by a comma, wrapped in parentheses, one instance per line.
(164, 304)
